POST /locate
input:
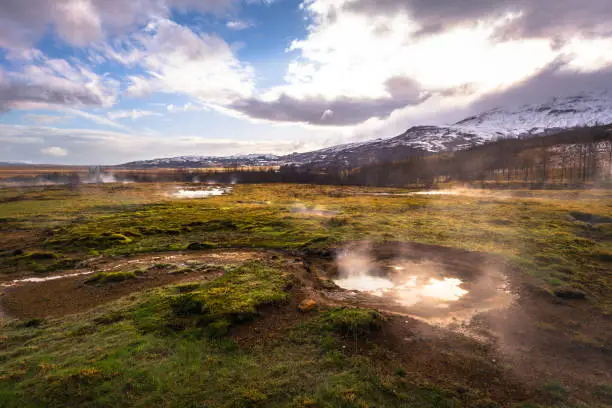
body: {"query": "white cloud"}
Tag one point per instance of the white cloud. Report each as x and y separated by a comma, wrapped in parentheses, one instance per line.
(188, 107)
(54, 151)
(131, 114)
(140, 87)
(40, 119)
(238, 25)
(99, 119)
(328, 113)
(179, 60)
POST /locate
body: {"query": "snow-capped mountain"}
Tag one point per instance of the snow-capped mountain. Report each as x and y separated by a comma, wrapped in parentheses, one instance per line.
(586, 109)
(207, 161)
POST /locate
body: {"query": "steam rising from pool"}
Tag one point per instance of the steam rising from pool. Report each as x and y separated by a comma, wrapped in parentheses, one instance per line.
(407, 283)
(423, 287)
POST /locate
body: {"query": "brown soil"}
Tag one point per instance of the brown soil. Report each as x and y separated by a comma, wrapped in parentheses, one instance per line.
(70, 295)
(274, 321)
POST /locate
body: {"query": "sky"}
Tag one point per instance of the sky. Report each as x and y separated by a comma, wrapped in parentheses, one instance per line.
(111, 81)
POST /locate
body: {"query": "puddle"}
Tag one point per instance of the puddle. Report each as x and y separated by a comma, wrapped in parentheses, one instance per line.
(439, 291)
(436, 192)
(202, 193)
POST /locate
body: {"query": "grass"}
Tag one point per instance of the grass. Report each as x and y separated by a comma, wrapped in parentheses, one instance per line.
(172, 346)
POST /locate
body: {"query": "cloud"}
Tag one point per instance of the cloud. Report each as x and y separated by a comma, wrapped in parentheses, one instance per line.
(42, 80)
(131, 114)
(328, 113)
(339, 111)
(79, 22)
(238, 25)
(556, 80)
(538, 18)
(178, 60)
(40, 119)
(140, 87)
(54, 151)
(188, 107)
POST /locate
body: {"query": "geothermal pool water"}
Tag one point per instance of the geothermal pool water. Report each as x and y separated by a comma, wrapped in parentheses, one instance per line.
(209, 192)
(411, 291)
(428, 289)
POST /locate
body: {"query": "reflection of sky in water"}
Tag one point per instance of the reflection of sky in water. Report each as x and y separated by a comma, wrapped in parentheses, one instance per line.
(210, 192)
(365, 283)
(408, 293)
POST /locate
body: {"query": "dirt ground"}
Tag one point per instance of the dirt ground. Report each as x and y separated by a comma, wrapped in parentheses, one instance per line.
(60, 297)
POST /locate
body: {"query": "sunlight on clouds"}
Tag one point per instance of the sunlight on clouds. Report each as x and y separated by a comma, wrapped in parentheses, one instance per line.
(350, 55)
(178, 60)
(589, 55)
(54, 151)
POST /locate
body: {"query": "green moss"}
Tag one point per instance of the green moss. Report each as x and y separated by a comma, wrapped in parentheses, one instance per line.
(603, 392)
(555, 391)
(214, 306)
(352, 320)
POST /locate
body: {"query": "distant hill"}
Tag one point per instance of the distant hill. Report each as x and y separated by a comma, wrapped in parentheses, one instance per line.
(206, 161)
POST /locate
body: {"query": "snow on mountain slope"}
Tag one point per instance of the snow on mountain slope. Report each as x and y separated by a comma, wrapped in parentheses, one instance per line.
(207, 161)
(587, 109)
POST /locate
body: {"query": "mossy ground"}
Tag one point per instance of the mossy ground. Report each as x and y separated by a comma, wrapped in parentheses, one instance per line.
(169, 347)
(562, 237)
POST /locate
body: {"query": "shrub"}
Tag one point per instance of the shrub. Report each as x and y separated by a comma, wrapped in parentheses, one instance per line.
(353, 320)
(35, 322)
(338, 221)
(109, 277)
(40, 256)
(198, 246)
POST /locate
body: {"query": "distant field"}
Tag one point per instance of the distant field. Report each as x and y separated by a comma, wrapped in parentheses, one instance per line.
(194, 302)
(29, 171)
(34, 171)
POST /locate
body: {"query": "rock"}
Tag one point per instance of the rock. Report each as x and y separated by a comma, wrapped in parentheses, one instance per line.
(307, 305)
(570, 293)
